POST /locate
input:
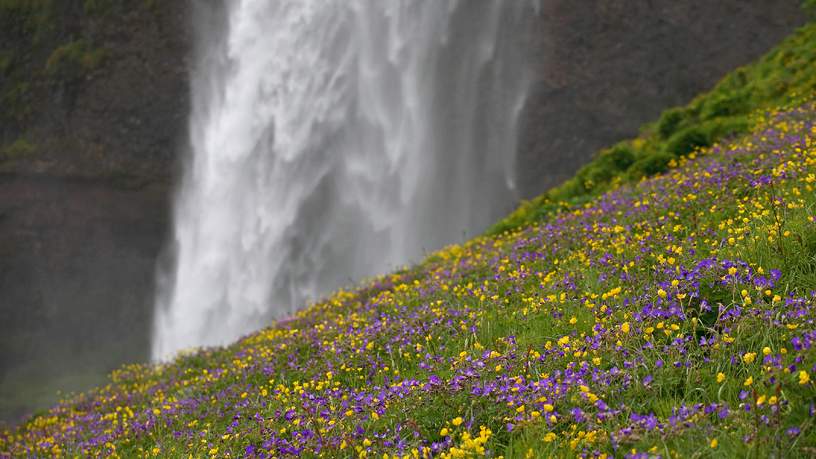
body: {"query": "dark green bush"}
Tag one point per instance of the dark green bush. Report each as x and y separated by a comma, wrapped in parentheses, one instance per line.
(687, 140)
(725, 127)
(571, 188)
(726, 104)
(650, 165)
(669, 121)
(598, 175)
(619, 157)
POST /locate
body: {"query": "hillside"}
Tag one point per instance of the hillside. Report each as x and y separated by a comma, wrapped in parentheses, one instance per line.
(784, 73)
(671, 316)
(95, 98)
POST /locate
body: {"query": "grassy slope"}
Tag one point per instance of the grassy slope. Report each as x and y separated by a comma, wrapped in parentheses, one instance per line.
(673, 317)
(782, 76)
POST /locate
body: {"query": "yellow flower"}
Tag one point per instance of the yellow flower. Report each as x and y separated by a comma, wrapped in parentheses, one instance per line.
(573, 321)
(804, 378)
(720, 377)
(749, 357)
(713, 443)
(549, 437)
(457, 421)
(661, 293)
(748, 381)
(625, 327)
(444, 432)
(766, 350)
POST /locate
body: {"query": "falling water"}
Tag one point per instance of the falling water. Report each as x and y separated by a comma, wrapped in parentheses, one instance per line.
(333, 140)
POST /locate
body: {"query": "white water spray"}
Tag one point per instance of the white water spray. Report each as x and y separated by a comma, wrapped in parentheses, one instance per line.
(333, 140)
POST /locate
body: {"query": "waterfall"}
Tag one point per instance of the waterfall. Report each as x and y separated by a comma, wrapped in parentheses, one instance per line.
(332, 140)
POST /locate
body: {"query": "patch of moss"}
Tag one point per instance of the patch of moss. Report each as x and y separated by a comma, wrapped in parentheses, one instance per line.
(27, 18)
(686, 141)
(16, 102)
(5, 62)
(20, 148)
(151, 5)
(101, 8)
(74, 60)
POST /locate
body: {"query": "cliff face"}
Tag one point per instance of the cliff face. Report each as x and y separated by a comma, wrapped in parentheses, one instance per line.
(94, 111)
(94, 103)
(603, 68)
(94, 89)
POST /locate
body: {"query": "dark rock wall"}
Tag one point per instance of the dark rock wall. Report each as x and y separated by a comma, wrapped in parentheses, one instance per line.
(603, 68)
(84, 204)
(93, 118)
(76, 281)
(103, 92)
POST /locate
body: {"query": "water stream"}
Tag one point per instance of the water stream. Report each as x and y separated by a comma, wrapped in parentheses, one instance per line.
(333, 140)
